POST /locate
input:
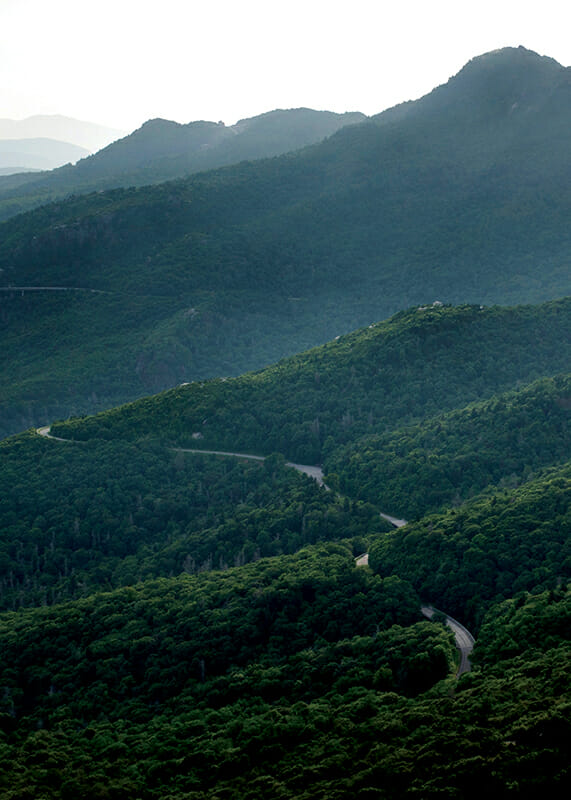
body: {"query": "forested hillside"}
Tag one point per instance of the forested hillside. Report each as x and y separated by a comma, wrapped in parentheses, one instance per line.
(184, 625)
(289, 676)
(451, 457)
(120, 513)
(496, 546)
(459, 197)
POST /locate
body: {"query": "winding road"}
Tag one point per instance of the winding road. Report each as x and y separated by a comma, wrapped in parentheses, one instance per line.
(464, 639)
(45, 431)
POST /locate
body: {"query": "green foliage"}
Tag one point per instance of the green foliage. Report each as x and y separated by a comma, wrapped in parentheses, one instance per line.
(450, 458)
(183, 640)
(493, 547)
(216, 639)
(246, 735)
(522, 627)
(120, 513)
(161, 150)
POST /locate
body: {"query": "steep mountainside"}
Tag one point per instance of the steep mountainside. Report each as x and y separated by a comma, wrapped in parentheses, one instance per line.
(450, 457)
(233, 269)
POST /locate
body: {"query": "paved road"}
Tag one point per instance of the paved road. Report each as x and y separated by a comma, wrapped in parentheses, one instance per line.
(314, 472)
(464, 639)
(308, 469)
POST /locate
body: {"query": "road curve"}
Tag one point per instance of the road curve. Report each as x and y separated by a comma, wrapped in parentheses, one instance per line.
(464, 639)
(313, 471)
(45, 431)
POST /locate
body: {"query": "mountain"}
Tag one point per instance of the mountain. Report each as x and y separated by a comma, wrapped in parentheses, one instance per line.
(233, 269)
(120, 485)
(187, 626)
(389, 411)
(87, 135)
(18, 155)
(162, 150)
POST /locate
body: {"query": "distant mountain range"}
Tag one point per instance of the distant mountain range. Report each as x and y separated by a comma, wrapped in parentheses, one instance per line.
(462, 196)
(42, 143)
(88, 135)
(17, 155)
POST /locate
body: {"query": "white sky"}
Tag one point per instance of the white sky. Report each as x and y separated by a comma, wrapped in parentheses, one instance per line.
(121, 62)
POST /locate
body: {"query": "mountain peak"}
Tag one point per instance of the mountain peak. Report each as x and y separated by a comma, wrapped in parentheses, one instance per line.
(496, 83)
(515, 62)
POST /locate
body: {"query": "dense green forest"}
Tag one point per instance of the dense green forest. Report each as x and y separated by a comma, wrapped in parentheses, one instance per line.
(491, 548)
(192, 688)
(459, 197)
(451, 457)
(181, 625)
(120, 513)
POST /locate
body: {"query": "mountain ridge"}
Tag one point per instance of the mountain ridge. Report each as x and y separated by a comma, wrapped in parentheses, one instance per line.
(89, 135)
(163, 150)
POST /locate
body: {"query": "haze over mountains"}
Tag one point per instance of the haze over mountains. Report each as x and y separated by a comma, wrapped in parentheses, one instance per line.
(88, 135)
(461, 196)
(20, 155)
(181, 622)
(47, 142)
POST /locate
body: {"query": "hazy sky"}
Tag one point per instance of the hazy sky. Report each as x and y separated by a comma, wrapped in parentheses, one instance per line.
(121, 62)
